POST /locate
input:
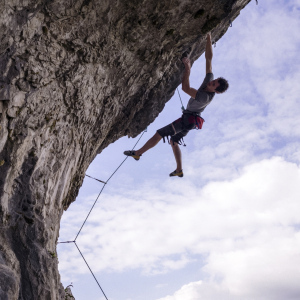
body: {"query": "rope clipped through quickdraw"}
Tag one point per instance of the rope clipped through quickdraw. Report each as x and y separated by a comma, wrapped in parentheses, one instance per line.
(66, 242)
(95, 178)
(182, 107)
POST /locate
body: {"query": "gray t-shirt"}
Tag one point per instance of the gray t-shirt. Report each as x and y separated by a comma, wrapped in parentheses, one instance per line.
(203, 98)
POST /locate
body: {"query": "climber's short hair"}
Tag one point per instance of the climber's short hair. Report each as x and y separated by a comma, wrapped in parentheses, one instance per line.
(223, 85)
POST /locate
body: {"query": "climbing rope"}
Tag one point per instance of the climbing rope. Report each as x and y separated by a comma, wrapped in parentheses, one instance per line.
(182, 107)
(91, 271)
(104, 184)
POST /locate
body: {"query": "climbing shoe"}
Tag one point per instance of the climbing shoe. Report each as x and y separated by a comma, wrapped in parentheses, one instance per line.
(174, 173)
(132, 154)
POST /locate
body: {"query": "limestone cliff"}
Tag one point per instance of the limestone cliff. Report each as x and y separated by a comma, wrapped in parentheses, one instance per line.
(76, 75)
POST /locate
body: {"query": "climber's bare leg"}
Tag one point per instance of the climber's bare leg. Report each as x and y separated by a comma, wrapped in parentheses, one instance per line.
(177, 154)
(149, 144)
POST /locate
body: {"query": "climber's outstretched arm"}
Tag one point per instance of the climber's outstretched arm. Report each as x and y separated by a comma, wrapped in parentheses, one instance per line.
(185, 80)
(208, 54)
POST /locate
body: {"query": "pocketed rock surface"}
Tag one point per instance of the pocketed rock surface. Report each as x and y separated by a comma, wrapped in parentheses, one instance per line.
(76, 76)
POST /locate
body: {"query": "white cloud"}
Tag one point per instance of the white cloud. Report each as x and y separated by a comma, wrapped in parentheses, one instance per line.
(199, 290)
(262, 268)
(246, 229)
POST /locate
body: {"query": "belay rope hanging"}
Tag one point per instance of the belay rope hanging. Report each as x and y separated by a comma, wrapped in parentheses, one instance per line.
(104, 184)
(182, 107)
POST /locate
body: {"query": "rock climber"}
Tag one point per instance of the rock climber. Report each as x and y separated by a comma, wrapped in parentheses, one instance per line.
(191, 117)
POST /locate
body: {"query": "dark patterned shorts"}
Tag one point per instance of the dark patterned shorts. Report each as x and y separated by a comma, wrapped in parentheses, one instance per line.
(180, 127)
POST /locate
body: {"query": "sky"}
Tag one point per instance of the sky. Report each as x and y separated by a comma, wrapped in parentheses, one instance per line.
(230, 228)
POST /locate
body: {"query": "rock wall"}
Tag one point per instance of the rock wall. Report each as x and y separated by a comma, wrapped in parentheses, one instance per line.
(76, 75)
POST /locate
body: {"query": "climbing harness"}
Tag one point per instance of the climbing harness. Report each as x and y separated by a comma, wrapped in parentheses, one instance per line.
(196, 120)
(189, 120)
(104, 184)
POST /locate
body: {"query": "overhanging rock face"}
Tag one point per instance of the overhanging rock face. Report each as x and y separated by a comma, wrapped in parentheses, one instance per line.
(76, 76)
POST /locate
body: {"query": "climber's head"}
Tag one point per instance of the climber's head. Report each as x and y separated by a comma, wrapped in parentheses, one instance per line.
(219, 85)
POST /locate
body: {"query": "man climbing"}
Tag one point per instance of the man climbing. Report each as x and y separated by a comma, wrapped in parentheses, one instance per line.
(190, 118)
